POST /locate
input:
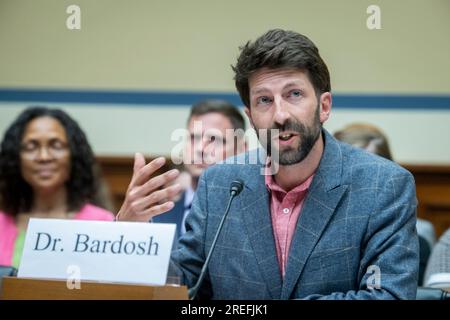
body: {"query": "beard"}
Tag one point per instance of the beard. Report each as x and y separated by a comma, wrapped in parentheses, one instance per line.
(308, 136)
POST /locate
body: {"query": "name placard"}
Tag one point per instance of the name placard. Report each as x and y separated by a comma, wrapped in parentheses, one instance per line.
(129, 252)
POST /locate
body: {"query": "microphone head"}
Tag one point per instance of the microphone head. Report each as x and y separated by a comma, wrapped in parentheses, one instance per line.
(236, 187)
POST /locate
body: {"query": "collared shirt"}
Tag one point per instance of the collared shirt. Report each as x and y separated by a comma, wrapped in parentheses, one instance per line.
(188, 197)
(285, 209)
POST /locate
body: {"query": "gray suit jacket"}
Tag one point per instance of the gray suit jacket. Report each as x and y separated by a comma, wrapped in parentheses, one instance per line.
(355, 238)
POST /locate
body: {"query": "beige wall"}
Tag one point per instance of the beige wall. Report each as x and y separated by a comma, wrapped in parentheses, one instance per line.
(189, 46)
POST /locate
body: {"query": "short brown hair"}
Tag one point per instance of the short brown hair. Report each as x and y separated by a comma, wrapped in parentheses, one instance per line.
(279, 49)
(222, 107)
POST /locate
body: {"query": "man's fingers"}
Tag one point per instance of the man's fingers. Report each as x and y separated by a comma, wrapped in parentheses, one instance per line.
(155, 198)
(144, 173)
(155, 183)
(139, 161)
(158, 209)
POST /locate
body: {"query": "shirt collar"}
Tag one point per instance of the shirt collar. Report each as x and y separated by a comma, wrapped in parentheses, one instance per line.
(272, 185)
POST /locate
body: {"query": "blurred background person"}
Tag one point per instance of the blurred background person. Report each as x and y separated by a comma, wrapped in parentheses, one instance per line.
(215, 132)
(437, 273)
(47, 170)
(372, 139)
(365, 136)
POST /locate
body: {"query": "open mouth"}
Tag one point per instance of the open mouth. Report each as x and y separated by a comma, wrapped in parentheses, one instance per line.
(285, 137)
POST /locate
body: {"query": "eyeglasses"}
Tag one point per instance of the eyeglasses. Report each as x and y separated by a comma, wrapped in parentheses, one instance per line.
(54, 148)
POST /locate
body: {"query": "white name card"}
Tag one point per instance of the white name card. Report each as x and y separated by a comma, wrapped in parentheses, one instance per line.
(129, 252)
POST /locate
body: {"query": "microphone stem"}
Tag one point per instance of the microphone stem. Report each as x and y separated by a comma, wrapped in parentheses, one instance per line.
(193, 291)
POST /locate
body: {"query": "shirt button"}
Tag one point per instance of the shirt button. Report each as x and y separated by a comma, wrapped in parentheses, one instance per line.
(285, 210)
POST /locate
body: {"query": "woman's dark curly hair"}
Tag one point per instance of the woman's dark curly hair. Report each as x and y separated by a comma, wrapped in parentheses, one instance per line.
(16, 194)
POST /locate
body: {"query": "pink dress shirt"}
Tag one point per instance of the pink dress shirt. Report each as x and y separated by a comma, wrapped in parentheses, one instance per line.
(285, 209)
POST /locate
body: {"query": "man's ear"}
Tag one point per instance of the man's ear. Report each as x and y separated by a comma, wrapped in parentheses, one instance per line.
(325, 102)
(247, 112)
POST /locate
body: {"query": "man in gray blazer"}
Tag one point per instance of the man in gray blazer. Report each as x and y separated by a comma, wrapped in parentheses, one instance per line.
(357, 224)
(316, 219)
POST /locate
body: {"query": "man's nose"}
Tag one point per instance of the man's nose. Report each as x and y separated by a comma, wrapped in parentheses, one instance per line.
(199, 148)
(200, 144)
(281, 111)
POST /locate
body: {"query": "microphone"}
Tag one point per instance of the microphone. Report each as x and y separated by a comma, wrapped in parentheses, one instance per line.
(235, 189)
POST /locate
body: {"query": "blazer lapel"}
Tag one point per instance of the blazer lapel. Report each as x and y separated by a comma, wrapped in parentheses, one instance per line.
(314, 218)
(256, 216)
(323, 197)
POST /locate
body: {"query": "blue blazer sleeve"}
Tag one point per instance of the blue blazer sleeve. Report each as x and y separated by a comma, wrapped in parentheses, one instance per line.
(191, 252)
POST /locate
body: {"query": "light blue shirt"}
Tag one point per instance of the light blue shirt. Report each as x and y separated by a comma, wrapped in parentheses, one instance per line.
(188, 197)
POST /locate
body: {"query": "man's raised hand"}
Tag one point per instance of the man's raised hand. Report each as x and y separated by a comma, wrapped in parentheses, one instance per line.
(147, 197)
